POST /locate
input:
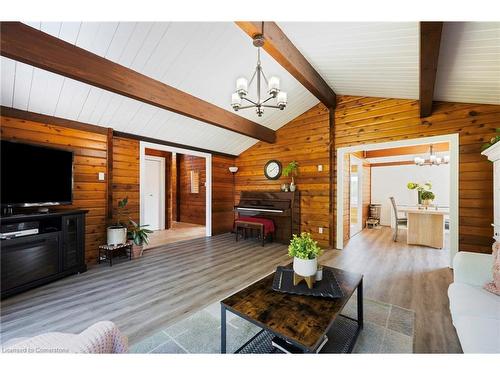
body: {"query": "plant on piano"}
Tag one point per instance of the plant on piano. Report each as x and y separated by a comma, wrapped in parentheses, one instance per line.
(305, 252)
(291, 170)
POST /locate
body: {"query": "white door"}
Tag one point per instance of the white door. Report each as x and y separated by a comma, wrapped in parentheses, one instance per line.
(154, 193)
(356, 196)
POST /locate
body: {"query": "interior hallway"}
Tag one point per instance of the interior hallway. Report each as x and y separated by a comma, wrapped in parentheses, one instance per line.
(177, 232)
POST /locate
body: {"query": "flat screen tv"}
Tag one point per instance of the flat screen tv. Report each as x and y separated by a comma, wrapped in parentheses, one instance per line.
(35, 175)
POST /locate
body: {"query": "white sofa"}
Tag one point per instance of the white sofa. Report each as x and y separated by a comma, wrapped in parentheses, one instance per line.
(475, 311)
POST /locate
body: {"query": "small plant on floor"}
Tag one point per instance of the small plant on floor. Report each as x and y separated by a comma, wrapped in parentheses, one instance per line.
(117, 233)
(139, 236)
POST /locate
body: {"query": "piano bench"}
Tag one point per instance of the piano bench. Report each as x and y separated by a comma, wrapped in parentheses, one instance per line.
(243, 225)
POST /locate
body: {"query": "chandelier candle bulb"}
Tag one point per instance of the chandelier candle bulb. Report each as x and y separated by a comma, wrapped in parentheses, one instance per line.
(235, 101)
(242, 86)
(282, 99)
(274, 86)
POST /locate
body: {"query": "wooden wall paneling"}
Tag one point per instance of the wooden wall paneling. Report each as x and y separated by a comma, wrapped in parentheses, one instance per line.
(305, 139)
(222, 194)
(192, 206)
(90, 158)
(109, 176)
(125, 177)
(25, 44)
(362, 120)
(367, 194)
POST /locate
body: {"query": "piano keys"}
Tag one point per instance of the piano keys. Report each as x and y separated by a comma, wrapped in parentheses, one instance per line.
(281, 207)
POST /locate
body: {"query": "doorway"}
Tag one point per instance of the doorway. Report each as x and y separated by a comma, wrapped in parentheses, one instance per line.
(154, 192)
(392, 187)
(183, 180)
(355, 196)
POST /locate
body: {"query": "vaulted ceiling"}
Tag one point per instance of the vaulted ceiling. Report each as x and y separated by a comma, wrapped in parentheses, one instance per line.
(204, 60)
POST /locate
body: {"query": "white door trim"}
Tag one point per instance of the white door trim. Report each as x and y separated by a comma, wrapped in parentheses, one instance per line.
(359, 163)
(453, 141)
(208, 168)
(162, 187)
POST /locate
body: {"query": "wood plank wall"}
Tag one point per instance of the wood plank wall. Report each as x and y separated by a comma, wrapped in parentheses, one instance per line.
(367, 191)
(125, 176)
(306, 140)
(222, 194)
(192, 206)
(90, 152)
(365, 120)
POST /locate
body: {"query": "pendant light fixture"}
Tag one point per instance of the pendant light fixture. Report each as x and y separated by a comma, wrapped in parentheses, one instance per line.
(273, 92)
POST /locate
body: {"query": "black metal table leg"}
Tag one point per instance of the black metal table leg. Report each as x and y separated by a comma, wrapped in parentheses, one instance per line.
(360, 304)
(222, 328)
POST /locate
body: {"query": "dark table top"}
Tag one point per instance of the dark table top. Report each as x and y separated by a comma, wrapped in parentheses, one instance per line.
(302, 319)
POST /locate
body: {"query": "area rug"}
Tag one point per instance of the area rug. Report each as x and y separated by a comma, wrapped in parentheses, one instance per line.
(387, 329)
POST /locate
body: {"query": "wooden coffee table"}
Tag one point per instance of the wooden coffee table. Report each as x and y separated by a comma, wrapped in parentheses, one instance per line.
(300, 320)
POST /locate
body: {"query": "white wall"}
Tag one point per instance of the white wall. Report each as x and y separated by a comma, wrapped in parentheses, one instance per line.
(392, 180)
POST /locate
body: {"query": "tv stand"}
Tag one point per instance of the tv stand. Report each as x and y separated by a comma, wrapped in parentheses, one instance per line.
(56, 251)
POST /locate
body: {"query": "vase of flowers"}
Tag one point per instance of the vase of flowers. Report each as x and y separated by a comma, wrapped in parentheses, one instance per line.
(305, 252)
(420, 189)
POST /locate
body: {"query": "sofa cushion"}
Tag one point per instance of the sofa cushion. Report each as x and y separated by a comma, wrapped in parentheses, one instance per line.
(494, 286)
(469, 300)
(478, 335)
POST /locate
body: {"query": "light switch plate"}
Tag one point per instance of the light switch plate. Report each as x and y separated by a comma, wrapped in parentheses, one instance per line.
(320, 230)
(101, 176)
(320, 168)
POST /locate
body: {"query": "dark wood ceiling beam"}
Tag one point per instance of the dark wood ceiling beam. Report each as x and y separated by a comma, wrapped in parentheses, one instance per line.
(289, 57)
(430, 41)
(28, 45)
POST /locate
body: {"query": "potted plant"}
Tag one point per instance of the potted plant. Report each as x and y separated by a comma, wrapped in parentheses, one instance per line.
(291, 170)
(139, 236)
(117, 233)
(427, 197)
(492, 141)
(305, 252)
(420, 189)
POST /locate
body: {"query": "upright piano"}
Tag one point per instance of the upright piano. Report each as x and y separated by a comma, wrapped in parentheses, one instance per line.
(282, 207)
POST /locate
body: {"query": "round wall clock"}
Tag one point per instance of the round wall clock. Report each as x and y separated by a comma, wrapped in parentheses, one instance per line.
(272, 170)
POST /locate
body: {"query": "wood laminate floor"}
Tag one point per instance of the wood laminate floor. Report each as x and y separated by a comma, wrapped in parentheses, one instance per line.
(171, 282)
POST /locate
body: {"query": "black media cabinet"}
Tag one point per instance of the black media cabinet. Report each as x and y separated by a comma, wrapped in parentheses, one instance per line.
(58, 250)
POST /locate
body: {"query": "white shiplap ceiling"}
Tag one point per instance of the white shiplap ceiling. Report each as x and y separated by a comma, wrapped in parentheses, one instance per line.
(382, 58)
(203, 59)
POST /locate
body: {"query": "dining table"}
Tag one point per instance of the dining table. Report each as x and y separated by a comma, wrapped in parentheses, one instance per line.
(426, 225)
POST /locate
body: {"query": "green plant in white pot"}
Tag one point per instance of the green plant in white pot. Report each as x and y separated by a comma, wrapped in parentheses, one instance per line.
(427, 197)
(117, 233)
(305, 252)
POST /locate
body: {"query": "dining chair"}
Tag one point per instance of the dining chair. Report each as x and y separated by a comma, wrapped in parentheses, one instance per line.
(398, 220)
